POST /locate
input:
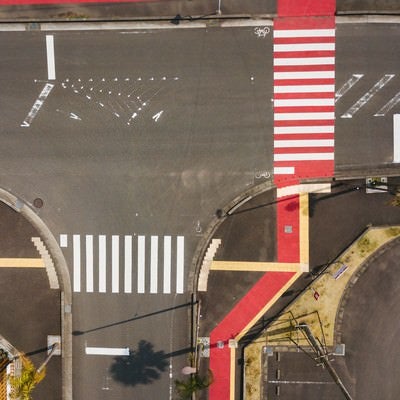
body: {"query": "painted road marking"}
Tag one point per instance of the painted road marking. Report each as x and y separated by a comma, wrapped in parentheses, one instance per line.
(367, 96)
(141, 264)
(107, 351)
(298, 33)
(102, 263)
(347, 86)
(63, 240)
(89, 263)
(51, 69)
(115, 263)
(77, 263)
(37, 105)
(304, 75)
(304, 88)
(309, 102)
(153, 264)
(304, 61)
(291, 47)
(282, 130)
(303, 156)
(179, 264)
(388, 106)
(284, 170)
(396, 138)
(167, 264)
(253, 266)
(128, 264)
(304, 116)
(304, 143)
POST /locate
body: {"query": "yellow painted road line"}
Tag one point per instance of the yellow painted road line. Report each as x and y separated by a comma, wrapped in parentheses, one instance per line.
(304, 230)
(21, 263)
(267, 306)
(254, 266)
(232, 379)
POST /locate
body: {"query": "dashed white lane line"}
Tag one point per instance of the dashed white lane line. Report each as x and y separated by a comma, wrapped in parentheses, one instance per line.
(37, 105)
(179, 264)
(107, 351)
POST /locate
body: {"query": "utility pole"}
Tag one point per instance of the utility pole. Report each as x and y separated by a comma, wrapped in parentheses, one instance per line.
(323, 356)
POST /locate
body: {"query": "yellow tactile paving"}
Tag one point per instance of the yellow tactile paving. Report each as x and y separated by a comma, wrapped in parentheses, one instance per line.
(21, 263)
(304, 230)
(254, 266)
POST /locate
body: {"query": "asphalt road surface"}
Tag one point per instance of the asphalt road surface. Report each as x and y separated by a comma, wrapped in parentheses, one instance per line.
(138, 137)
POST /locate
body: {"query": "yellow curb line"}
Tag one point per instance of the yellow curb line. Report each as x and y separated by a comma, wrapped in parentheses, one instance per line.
(254, 266)
(21, 263)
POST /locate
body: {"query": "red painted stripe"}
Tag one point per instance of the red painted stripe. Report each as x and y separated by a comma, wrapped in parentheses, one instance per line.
(304, 109)
(309, 169)
(304, 22)
(306, 7)
(303, 54)
(317, 122)
(286, 82)
(295, 150)
(295, 68)
(304, 136)
(302, 40)
(315, 95)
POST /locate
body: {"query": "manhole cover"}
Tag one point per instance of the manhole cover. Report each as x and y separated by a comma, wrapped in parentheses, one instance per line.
(38, 202)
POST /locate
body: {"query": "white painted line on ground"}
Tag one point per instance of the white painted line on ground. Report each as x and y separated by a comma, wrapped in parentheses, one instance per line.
(297, 33)
(51, 68)
(288, 130)
(304, 61)
(303, 116)
(180, 259)
(303, 156)
(115, 263)
(153, 264)
(63, 240)
(303, 47)
(107, 351)
(128, 264)
(89, 263)
(303, 88)
(303, 102)
(37, 105)
(283, 170)
(396, 138)
(77, 262)
(367, 96)
(167, 264)
(305, 75)
(102, 263)
(141, 264)
(304, 143)
(388, 106)
(347, 86)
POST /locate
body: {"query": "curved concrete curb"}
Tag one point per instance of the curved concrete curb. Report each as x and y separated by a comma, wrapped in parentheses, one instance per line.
(346, 294)
(63, 274)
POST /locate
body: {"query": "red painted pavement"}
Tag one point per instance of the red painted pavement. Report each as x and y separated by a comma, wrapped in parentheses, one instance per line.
(288, 208)
(288, 8)
(234, 323)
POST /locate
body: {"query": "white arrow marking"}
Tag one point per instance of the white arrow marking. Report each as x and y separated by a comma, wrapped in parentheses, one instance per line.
(157, 116)
(74, 116)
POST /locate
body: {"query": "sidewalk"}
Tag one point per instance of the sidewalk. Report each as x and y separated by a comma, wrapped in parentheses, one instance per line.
(54, 10)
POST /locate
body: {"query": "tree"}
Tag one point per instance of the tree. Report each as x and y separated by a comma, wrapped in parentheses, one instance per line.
(23, 384)
(193, 384)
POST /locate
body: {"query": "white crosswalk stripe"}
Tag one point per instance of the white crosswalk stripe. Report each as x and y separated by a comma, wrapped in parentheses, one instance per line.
(126, 263)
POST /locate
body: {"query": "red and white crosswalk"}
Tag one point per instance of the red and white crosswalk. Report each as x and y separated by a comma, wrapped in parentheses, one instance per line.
(304, 98)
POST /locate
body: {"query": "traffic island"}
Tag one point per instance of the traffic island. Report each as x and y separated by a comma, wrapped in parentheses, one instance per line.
(320, 307)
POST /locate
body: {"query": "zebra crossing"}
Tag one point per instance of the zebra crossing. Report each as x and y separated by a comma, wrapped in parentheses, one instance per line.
(126, 264)
(304, 98)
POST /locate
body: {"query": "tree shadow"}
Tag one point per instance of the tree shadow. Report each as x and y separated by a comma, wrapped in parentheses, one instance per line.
(142, 366)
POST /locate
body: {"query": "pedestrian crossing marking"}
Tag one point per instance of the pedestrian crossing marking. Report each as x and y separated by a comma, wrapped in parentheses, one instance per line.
(126, 263)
